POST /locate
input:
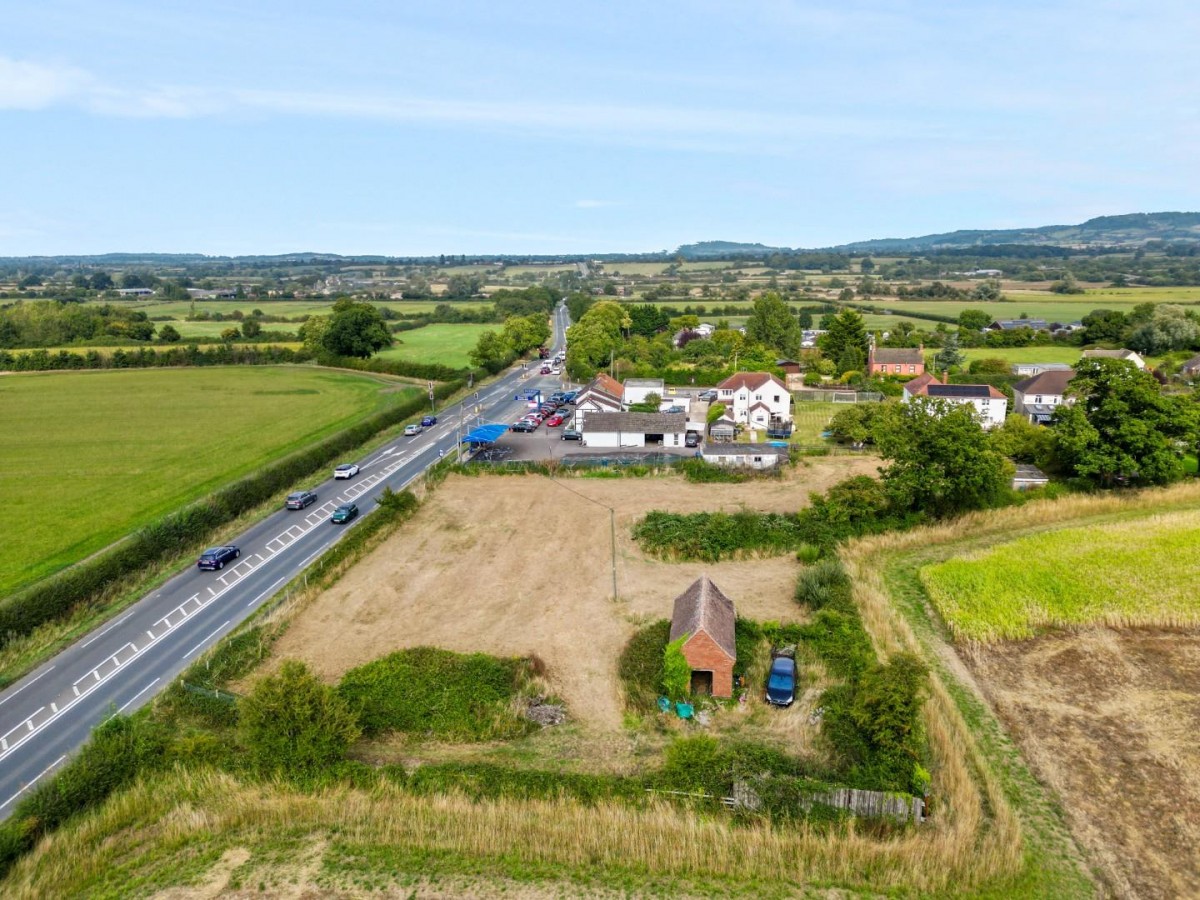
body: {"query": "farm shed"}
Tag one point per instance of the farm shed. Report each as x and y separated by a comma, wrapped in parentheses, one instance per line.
(751, 456)
(630, 429)
(706, 616)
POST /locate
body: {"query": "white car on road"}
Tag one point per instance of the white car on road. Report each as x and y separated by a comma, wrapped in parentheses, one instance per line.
(346, 470)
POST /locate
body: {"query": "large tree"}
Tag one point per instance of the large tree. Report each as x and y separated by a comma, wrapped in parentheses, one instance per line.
(491, 352)
(940, 460)
(1121, 426)
(354, 329)
(845, 341)
(596, 335)
(773, 325)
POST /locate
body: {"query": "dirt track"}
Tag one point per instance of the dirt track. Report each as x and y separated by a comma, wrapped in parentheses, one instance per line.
(1110, 720)
(518, 565)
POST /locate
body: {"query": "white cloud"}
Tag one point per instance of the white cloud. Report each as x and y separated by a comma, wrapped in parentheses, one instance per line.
(26, 85)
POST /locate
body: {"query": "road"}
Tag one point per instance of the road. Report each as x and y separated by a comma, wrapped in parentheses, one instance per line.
(48, 715)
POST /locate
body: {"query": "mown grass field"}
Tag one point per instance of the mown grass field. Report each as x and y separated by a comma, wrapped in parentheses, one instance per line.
(810, 419)
(98, 454)
(1051, 307)
(449, 345)
(1142, 572)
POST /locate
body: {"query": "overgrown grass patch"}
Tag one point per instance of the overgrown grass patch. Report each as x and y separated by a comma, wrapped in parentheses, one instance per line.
(430, 692)
(1143, 572)
(713, 536)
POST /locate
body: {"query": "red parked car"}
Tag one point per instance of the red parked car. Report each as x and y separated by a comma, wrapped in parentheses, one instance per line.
(554, 421)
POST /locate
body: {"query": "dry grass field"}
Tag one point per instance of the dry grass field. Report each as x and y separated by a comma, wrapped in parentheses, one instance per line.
(519, 565)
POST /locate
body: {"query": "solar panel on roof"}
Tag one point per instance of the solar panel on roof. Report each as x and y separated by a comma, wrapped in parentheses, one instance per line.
(957, 390)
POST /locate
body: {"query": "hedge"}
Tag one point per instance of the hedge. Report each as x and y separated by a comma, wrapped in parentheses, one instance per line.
(402, 367)
(149, 358)
(84, 583)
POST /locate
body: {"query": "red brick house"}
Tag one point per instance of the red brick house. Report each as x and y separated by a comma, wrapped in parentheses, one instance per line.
(706, 617)
(908, 361)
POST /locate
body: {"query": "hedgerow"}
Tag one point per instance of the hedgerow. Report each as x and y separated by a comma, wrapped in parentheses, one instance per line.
(713, 536)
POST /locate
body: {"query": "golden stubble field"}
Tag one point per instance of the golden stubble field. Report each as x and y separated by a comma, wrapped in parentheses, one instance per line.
(519, 565)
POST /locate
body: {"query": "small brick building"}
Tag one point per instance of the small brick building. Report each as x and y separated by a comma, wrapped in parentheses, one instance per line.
(896, 361)
(707, 617)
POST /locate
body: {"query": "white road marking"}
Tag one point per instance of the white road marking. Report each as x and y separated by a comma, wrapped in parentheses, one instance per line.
(101, 634)
(138, 694)
(264, 593)
(22, 687)
(32, 783)
(202, 643)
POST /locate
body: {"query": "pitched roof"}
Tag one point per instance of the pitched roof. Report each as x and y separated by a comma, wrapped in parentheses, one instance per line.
(1192, 364)
(751, 380)
(636, 422)
(962, 391)
(605, 385)
(702, 607)
(1050, 382)
(1014, 324)
(897, 356)
(918, 384)
(1107, 354)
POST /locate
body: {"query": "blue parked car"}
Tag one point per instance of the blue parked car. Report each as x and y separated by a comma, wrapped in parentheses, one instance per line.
(781, 683)
(428, 420)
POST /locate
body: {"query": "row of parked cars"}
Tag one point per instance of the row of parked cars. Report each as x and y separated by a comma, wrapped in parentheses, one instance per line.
(552, 412)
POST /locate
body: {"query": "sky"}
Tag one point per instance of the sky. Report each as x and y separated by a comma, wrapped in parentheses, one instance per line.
(405, 128)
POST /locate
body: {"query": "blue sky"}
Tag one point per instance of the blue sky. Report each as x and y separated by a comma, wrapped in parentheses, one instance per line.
(463, 127)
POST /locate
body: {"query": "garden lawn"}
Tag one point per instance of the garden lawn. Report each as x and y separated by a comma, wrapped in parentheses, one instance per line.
(88, 457)
(810, 419)
(448, 345)
(1144, 572)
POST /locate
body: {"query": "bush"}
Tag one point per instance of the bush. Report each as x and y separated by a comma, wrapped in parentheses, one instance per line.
(435, 692)
(640, 665)
(481, 781)
(293, 723)
(676, 672)
(714, 536)
(839, 639)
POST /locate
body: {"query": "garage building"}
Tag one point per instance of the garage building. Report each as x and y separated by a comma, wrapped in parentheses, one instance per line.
(631, 429)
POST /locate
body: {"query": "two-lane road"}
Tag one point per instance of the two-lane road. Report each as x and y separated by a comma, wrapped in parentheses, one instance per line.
(49, 714)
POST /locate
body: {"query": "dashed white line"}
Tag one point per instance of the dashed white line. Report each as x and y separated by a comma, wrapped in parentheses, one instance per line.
(32, 783)
(101, 634)
(264, 593)
(22, 687)
(138, 694)
(203, 642)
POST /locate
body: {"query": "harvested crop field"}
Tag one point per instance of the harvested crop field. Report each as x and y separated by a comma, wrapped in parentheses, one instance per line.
(515, 565)
(1109, 720)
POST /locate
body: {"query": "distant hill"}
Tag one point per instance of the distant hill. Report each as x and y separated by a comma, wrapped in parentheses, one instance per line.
(1132, 229)
(725, 249)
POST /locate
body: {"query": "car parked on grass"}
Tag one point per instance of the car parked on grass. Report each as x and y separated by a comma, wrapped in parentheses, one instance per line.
(412, 430)
(570, 434)
(346, 470)
(554, 421)
(300, 499)
(428, 420)
(781, 683)
(216, 557)
(344, 513)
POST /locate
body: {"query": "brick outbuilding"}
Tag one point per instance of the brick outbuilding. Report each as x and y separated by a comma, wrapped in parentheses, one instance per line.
(707, 617)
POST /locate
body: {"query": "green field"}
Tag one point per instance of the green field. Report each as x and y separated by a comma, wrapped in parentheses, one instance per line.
(1051, 307)
(448, 345)
(99, 454)
(810, 419)
(1133, 573)
(181, 309)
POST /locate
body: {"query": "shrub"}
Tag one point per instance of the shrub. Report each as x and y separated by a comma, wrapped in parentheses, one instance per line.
(293, 723)
(676, 673)
(714, 536)
(640, 665)
(424, 690)
(839, 639)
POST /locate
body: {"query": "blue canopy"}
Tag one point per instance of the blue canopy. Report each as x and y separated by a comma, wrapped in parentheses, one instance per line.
(484, 434)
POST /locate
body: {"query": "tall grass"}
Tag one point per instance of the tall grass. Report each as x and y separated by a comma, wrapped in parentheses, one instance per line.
(150, 833)
(1112, 574)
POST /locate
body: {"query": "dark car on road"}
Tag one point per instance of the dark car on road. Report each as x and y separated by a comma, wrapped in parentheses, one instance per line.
(570, 434)
(300, 499)
(344, 513)
(781, 683)
(428, 420)
(216, 557)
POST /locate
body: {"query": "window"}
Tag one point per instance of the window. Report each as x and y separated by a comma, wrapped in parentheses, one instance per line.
(912, 370)
(898, 368)
(1037, 399)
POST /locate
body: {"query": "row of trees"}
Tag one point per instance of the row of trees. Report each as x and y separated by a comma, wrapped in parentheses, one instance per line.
(1120, 429)
(520, 335)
